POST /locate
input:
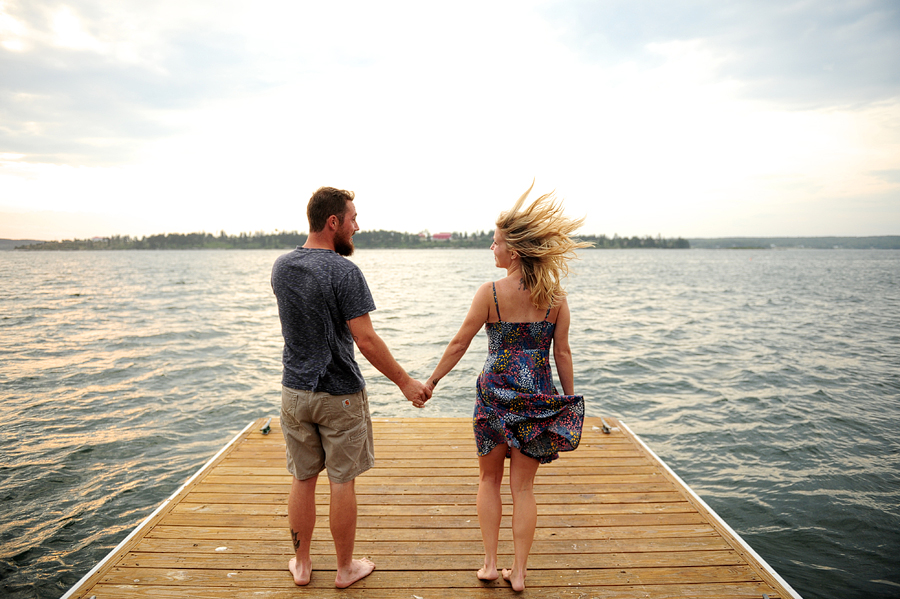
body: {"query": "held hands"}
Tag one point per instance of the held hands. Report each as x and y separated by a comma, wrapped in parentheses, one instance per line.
(416, 392)
(429, 386)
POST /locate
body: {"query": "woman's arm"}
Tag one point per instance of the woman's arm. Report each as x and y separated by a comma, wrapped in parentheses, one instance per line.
(456, 349)
(562, 353)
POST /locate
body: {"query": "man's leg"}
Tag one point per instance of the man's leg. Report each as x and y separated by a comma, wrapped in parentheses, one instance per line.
(302, 519)
(342, 517)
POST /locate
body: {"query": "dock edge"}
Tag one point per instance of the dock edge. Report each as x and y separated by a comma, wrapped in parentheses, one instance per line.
(77, 587)
(718, 519)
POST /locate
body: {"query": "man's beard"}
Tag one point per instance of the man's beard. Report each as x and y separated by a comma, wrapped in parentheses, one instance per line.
(344, 245)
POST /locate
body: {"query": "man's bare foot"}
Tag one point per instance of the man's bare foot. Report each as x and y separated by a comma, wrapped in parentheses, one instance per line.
(359, 569)
(487, 574)
(517, 582)
(301, 574)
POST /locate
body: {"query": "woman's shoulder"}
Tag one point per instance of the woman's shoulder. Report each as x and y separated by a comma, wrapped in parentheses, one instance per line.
(485, 288)
(485, 293)
(560, 307)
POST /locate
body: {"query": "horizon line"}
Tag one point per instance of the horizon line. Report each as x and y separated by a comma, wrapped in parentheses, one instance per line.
(613, 236)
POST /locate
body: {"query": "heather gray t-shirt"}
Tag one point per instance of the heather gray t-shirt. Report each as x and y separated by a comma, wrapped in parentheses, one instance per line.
(318, 291)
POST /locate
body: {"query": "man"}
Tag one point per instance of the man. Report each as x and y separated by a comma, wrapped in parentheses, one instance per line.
(324, 304)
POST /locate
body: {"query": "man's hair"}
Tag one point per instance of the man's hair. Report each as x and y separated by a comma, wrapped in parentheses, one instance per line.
(324, 203)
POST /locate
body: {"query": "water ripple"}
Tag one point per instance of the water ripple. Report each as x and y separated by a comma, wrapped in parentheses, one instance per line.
(767, 380)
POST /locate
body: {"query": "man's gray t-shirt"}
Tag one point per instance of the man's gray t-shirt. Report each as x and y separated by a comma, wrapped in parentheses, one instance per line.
(318, 291)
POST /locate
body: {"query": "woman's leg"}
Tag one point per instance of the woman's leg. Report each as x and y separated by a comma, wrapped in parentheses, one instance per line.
(490, 507)
(521, 484)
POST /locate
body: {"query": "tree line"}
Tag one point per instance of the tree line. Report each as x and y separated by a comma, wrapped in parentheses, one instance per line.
(882, 242)
(616, 242)
(291, 239)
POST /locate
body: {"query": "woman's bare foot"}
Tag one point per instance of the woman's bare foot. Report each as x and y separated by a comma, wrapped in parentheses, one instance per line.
(301, 574)
(487, 574)
(359, 569)
(517, 582)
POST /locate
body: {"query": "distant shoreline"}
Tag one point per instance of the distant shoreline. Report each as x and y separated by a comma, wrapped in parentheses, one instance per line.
(291, 239)
(396, 240)
(881, 242)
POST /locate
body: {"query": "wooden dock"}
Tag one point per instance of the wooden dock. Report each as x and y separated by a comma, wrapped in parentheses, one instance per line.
(613, 522)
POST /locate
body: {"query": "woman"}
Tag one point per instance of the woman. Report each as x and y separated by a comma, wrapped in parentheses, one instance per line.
(518, 413)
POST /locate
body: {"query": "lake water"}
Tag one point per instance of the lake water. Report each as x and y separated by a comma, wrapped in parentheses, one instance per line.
(768, 380)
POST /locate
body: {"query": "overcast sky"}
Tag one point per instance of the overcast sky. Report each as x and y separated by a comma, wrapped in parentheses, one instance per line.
(702, 118)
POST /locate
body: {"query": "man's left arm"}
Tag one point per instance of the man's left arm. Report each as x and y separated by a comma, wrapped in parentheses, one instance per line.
(377, 353)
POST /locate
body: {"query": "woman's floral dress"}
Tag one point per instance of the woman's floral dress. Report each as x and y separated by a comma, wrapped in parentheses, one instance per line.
(517, 403)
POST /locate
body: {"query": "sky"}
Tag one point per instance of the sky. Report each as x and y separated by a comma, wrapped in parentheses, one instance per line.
(680, 118)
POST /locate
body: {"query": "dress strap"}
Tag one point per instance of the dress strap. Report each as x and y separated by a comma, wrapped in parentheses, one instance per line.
(496, 305)
(548, 312)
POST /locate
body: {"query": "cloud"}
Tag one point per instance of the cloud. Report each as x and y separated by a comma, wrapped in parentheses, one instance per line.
(649, 117)
(797, 52)
(888, 176)
(85, 85)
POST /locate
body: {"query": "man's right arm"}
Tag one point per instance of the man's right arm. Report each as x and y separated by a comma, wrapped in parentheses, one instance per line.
(377, 353)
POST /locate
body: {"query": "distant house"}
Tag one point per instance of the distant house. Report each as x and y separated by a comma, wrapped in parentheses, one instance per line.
(442, 236)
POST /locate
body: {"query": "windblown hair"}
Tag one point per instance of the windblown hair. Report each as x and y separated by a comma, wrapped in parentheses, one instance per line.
(325, 202)
(540, 235)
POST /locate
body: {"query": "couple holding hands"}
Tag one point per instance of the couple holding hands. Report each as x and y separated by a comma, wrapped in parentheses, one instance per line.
(324, 305)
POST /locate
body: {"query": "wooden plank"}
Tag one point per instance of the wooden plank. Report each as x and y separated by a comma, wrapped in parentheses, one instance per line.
(425, 481)
(578, 591)
(441, 522)
(409, 562)
(420, 474)
(613, 521)
(435, 534)
(244, 495)
(436, 509)
(237, 578)
(407, 492)
(443, 547)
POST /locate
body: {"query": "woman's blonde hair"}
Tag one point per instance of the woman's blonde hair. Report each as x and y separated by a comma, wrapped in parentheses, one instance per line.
(539, 234)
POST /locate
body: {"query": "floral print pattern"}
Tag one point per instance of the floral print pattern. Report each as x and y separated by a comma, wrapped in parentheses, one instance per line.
(517, 403)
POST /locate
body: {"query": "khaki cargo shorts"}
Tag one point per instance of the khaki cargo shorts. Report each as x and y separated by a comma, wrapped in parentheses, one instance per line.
(327, 431)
